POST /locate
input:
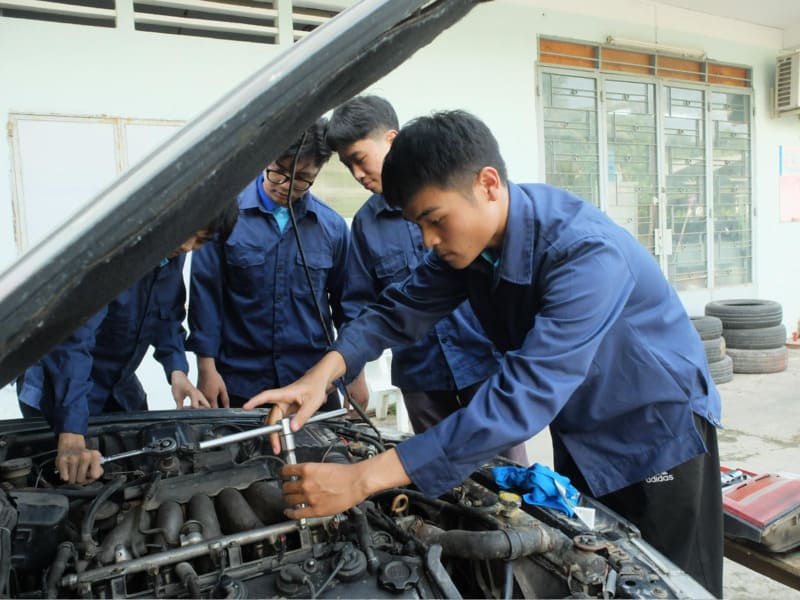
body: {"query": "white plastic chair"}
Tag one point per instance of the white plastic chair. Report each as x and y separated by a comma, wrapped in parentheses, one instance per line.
(382, 394)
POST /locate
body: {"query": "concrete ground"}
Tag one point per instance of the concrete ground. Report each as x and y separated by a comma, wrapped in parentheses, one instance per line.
(761, 419)
(761, 416)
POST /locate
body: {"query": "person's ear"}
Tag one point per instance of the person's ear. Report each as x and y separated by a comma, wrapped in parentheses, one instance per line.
(488, 179)
(390, 135)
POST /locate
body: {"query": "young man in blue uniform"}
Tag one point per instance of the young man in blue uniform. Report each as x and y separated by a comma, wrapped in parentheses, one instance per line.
(94, 370)
(254, 323)
(596, 345)
(440, 372)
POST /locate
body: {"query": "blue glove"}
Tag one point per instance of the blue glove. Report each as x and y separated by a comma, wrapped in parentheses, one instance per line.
(541, 486)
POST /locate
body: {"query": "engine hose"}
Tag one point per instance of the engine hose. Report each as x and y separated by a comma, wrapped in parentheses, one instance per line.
(362, 531)
(65, 551)
(505, 544)
(189, 578)
(88, 521)
(5, 560)
(433, 562)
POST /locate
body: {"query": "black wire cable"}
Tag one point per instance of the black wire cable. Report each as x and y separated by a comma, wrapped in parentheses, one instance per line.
(290, 205)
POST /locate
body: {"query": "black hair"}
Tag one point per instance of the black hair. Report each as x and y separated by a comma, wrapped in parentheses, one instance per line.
(441, 150)
(222, 225)
(358, 119)
(311, 145)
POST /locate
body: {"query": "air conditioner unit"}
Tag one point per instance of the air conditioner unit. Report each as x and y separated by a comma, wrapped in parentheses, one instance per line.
(787, 83)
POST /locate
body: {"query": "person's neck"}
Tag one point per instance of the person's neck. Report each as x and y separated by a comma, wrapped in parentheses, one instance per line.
(495, 244)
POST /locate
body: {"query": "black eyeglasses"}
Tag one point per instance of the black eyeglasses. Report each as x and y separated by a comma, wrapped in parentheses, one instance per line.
(278, 177)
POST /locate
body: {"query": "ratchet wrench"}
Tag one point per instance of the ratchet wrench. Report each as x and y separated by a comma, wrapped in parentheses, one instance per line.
(159, 447)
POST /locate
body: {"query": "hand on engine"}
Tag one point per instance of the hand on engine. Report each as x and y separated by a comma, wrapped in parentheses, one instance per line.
(182, 388)
(74, 462)
(211, 384)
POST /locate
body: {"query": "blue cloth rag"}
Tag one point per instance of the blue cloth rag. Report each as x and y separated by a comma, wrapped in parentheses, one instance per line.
(540, 485)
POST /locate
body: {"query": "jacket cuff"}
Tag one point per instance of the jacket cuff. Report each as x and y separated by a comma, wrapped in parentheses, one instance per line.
(427, 465)
(175, 362)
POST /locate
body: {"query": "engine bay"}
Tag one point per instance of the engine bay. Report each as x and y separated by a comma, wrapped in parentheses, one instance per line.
(193, 519)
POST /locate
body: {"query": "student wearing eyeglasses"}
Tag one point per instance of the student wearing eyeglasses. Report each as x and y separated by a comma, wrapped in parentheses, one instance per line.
(254, 322)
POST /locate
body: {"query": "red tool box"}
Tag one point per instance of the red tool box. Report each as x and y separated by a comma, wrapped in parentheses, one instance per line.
(764, 509)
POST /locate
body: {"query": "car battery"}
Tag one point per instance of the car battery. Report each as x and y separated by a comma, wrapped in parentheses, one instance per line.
(764, 509)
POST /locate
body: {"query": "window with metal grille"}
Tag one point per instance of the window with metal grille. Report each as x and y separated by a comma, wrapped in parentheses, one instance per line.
(238, 20)
(96, 13)
(241, 20)
(307, 15)
(662, 144)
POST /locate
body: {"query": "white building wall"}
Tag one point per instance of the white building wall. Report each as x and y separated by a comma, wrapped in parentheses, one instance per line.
(485, 64)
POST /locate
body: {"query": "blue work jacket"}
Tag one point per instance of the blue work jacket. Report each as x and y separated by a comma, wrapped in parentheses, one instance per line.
(596, 344)
(384, 248)
(250, 306)
(98, 361)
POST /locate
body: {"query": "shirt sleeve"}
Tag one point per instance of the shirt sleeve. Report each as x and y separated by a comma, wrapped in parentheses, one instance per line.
(578, 308)
(361, 287)
(205, 300)
(170, 338)
(67, 379)
(337, 278)
(403, 313)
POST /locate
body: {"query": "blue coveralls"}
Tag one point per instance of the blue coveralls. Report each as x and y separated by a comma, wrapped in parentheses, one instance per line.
(250, 306)
(98, 362)
(598, 346)
(613, 363)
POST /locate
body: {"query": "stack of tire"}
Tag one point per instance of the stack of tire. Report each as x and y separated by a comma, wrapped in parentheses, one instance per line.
(720, 365)
(755, 337)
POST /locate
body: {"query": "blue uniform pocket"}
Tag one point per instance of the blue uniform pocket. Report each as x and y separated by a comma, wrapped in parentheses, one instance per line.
(319, 264)
(245, 268)
(392, 268)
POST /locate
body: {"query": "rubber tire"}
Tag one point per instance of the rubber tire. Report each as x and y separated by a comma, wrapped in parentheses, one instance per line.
(762, 338)
(773, 360)
(721, 370)
(708, 327)
(715, 349)
(746, 314)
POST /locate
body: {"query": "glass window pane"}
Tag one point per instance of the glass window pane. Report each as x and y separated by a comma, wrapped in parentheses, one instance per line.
(570, 125)
(685, 176)
(696, 141)
(732, 224)
(64, 164)
(144, 138)
(632, 172)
